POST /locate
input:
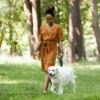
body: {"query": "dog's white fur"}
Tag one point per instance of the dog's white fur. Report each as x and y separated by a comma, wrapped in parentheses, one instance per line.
(61, 76)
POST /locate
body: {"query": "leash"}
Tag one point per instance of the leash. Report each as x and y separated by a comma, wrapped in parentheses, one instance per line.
(60, 59)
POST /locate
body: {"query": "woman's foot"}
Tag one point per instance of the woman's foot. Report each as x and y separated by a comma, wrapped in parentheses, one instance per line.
(44, 92)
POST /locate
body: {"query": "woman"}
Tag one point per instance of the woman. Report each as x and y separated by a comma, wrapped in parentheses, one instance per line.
(50, 35)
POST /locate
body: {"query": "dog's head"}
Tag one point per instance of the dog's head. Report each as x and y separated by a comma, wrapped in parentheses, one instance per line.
(52, 71)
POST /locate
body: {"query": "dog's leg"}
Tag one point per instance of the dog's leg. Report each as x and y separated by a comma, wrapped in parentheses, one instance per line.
(60, 89)
(53, 89)
(73, 83)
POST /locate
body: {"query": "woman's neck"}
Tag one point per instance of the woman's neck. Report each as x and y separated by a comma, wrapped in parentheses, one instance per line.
(50, 24)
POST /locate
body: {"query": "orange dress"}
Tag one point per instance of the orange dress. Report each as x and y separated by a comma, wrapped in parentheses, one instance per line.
(48, 50)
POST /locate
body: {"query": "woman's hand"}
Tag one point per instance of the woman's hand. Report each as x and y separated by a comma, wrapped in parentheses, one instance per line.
(61, 54)
(60, 58)
(61, 49)
(35, 54)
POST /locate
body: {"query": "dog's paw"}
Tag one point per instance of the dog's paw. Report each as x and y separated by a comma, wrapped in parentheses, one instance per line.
(52, 90)
(59, 93)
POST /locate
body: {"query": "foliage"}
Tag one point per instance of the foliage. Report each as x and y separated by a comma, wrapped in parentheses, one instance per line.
(13, 23)
(89, 38)
(25, 81)
(61, 12)
(62, 19)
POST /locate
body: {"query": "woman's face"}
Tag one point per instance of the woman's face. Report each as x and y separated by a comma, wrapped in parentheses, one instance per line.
(49, 19)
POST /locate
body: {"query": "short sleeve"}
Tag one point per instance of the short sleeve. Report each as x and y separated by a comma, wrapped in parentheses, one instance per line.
(60, 34)
(40, 35)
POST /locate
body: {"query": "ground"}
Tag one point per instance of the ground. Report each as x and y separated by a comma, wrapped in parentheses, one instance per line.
(21, 78)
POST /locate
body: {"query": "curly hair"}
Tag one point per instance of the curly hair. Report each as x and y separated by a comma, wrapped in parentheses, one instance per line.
(50, 10)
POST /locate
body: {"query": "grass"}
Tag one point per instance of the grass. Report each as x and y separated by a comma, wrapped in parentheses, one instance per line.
(25, 81)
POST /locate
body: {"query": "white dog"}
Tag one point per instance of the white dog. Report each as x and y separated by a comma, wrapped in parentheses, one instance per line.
(61, 76)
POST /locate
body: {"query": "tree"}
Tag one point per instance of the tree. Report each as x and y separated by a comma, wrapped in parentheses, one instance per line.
(76, 40)
(12, 27)
(79, 34)
(1, 35)
(72, 26)
(36, 18)
(95, 22)
(28, 13)
(32, 11)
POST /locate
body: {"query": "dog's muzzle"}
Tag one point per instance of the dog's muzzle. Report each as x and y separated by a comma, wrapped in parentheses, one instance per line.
(52, 75)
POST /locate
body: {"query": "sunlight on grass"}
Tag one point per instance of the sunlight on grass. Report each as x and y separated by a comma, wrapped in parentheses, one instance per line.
(17, 81)
(18, 59)
(83, 65)
(25, 81)
(95, 67)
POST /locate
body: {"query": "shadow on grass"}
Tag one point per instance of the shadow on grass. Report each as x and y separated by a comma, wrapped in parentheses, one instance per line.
(26, 82)
(20, 80)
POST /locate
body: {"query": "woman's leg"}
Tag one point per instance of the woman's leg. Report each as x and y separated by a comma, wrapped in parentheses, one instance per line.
(47, 80)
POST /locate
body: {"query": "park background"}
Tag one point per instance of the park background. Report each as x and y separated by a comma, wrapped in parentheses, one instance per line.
(20, 75)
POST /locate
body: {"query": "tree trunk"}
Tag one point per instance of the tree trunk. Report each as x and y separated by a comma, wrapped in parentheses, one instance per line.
(35, 19)
(79, 34)
(28, 13)
(1, 36)
(32, 10)
(38, 14)
(11, 39)
(72, 26)
(96, 27)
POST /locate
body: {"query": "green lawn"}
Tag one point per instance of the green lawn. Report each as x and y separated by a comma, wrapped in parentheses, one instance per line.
(25, 81)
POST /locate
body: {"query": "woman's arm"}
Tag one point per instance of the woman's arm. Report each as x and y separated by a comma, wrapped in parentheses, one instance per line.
(61, 48)
(36, 49)
(38, 46)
